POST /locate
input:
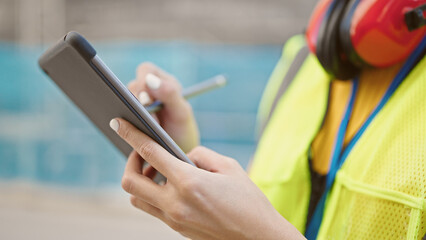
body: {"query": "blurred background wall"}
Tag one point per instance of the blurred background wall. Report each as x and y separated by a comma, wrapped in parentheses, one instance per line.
(219, 21)
(58, 175)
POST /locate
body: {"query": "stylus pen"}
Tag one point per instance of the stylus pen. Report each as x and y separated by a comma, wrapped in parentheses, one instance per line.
(192, 91)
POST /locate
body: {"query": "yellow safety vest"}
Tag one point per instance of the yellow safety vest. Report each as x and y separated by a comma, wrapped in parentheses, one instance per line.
(380, 191)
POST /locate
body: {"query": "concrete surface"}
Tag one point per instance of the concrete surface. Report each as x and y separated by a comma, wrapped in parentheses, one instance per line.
(29, 211)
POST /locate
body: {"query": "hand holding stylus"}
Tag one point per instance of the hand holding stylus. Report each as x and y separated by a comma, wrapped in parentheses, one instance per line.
(195, 90)
(176, 117)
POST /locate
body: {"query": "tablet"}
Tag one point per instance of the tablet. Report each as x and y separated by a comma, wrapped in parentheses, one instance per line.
(78, 71)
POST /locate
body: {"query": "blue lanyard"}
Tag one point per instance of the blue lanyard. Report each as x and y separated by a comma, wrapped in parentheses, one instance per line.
(339, 157)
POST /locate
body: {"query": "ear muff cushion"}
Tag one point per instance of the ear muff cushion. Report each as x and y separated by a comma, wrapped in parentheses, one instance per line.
(374, 34)
(329, 49)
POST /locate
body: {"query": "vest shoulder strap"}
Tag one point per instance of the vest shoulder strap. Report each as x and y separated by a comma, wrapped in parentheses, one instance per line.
(293, 69)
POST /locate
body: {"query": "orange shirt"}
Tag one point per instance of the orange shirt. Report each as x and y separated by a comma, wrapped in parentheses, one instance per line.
(373, 84)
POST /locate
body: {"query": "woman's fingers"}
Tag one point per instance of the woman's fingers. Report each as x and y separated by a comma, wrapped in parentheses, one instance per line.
(149, 172)
(146, 207)
(148, 149)
(139, 86)
(139, 90)
(146, 169)
(147, 67)
(166, 91)
(134, 161)
(153, 83)
(139, 185)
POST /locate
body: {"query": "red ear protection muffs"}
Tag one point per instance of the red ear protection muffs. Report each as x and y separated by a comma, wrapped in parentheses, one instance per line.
(347, 35)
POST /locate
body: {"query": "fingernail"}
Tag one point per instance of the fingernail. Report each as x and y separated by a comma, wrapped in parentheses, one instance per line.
(114, 124)
(153, 81)
(144, 98)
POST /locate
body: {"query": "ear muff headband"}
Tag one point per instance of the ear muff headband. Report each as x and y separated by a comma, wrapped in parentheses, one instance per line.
(317, 19)
(329, 46)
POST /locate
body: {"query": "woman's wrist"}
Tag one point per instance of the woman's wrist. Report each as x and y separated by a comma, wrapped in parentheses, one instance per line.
(283, 229)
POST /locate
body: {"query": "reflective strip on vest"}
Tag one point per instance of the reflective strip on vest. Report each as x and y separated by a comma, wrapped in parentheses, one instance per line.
(380, 191)
(290, 50)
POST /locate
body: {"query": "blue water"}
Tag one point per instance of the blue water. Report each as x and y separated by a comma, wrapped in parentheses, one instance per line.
(44, 138)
